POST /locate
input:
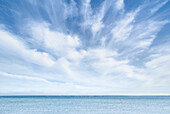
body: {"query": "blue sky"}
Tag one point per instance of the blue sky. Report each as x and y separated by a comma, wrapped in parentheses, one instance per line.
(76, 47)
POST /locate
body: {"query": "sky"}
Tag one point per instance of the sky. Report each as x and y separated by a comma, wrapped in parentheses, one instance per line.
(84, 47)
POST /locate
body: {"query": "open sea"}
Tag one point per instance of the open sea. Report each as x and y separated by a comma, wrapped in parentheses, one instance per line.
(84, 104)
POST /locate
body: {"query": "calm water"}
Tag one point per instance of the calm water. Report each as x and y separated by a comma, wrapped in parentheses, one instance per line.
(85, 105)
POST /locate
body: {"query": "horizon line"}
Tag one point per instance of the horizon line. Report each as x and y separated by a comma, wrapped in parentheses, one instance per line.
(27, 95)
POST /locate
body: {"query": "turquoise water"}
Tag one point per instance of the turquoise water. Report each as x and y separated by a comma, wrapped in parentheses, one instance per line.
(85, 105)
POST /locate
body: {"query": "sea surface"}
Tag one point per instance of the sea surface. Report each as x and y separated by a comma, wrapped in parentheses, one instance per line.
(84, 104)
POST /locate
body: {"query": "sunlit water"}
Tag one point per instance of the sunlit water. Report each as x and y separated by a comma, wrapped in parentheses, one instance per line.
(85, 105)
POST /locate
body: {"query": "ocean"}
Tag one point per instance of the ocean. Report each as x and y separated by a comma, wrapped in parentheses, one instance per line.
(84, 104)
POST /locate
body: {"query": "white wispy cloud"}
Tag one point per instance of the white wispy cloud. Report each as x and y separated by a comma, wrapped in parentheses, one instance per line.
(155, 9)
(93, 19)
(123, 28)
(24, 77)
(119, 4)
(70, 9)
(13, 47)
(58, 43)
